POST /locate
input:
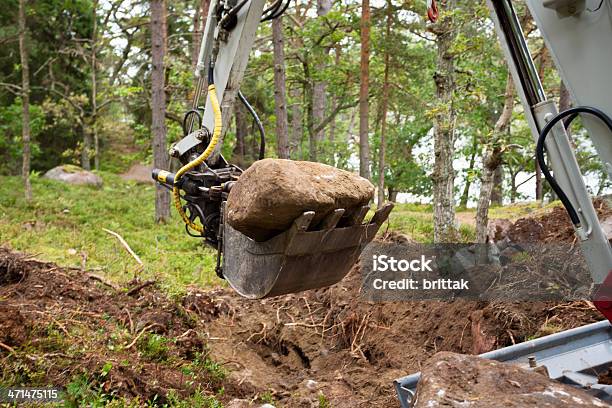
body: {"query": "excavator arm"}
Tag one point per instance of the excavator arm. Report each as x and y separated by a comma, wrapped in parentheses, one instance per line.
(577, 35)
(305, 256)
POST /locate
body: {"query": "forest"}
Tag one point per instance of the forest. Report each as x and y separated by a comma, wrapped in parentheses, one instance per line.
(358, 86)
(425, 110)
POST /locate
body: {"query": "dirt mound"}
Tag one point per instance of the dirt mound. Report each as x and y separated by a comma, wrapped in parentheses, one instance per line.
(330, 343)
(140, 173)
(60, 325)
(554, 226)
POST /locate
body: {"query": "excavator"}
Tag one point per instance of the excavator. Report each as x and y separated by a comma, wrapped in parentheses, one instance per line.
(303, 257)
(578, 35)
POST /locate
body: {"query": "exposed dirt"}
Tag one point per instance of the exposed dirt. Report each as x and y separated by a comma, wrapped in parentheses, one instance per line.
(554, 226)
(58, 323)
(140, 173)
(61, 323)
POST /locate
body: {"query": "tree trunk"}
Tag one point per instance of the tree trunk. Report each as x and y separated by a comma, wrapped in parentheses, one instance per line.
(538, 182)
(199, 23)
(85, 152)
(297, 130)
(492, 160)
(543, 60)
(158, 104)
(444, 129)
(392, 193)
(497, 195)
(565, 103)
(25, 100)
(94, 87)
(280, 90)
(334, 104)
(241, 132)
(385, 107)
(364, 142)
(465, 196)
(513, 188)
(319, 92)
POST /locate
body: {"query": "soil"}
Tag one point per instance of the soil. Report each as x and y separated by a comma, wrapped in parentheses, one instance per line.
(140, 173)
(57, 323)
(554, 226)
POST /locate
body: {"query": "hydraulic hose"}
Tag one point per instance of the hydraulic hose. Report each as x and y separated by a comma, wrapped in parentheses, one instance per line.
(571, 114)
(214, 101)
(262, 132)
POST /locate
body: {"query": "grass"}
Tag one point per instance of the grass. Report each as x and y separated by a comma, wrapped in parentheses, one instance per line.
(64, 224)
(416, 220)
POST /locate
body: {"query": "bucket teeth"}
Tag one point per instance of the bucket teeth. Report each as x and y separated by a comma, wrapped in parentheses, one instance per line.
(332, 219)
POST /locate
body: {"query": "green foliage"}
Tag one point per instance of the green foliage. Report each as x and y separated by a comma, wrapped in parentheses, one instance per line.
(197, 400)
(10, 135)
(267, 398)
(154, 347)
(323, 402)
(215, 370)
(59, 79)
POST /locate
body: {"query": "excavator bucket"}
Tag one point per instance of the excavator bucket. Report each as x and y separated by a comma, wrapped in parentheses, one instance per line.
(301, 258)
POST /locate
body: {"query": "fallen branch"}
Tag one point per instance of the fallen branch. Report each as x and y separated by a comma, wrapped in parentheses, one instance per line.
(129, 346)
(102, 280)
(125, 245)
(140, 287)
(8, 348)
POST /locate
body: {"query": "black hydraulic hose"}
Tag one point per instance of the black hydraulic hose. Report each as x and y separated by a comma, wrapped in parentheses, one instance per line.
(273, 8)
(262, 132)
(278, 13)
(571, 114)
(196, 112)
(211, 73)
(232, 13)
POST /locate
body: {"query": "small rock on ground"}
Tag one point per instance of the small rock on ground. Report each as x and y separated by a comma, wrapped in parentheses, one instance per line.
(71, 174)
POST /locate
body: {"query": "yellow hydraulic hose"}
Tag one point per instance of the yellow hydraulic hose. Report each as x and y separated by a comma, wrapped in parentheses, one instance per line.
(212, 92)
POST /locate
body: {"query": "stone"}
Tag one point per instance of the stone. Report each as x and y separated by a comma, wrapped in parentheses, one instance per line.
(497, 229)
(457, 380)
(238, 403)
(272, 193)
(72, 174)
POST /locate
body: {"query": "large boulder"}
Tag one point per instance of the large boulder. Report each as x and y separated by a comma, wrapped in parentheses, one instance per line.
(457, 380)
(273, 192)
(140, 173)
(71, 174)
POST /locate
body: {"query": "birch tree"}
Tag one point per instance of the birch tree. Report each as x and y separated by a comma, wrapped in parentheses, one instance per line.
(444, 127)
